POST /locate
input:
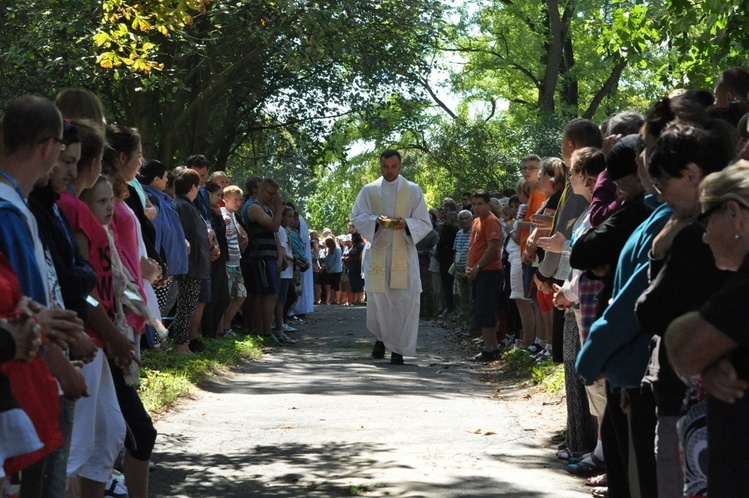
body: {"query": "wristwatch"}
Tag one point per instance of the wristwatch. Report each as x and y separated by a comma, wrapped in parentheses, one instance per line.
(478, 266)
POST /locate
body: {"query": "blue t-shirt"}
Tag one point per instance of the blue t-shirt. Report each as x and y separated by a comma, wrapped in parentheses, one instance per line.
(333, 261)
(17, 245)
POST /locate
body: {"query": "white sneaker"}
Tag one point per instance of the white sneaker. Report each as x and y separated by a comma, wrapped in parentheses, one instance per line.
(544, 354)
(288, 328)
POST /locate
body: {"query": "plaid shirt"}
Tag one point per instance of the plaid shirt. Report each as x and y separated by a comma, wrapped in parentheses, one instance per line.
(587, 290)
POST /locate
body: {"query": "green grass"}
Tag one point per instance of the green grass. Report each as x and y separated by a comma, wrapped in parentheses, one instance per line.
(549, 375)
(546, 373)
(520, 360)
(166, 377)
(355, 490)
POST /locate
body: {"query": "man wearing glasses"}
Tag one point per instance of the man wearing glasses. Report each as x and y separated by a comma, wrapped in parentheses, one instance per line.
(31, 132)
(265, 260)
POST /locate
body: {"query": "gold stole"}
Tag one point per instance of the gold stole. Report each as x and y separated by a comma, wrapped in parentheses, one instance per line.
(399, 268)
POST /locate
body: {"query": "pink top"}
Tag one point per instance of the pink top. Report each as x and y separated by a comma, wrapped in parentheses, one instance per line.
(82, 221)
(125, 230)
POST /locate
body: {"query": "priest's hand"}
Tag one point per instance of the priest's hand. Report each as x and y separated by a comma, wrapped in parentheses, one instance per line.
(401, 224)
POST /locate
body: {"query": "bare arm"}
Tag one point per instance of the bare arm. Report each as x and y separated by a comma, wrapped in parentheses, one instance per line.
(693, 344)
(256, 213)
(491, 249)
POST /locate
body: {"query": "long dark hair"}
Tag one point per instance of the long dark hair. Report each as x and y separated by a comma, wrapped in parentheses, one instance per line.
(119, 139)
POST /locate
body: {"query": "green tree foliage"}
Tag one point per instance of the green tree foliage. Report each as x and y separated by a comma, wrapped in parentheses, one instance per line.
(131, 32)
(550, 56)
(284, 62)
(46, 45)
(705, 37)
(309, 92)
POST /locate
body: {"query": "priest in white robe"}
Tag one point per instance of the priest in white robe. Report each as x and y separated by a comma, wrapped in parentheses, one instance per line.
(391, 215)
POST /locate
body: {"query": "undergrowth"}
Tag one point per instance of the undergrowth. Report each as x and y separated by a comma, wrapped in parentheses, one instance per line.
(546, 373)
(167, 376)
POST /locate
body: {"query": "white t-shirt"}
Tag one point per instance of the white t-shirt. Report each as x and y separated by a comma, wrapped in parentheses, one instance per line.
(283, 240)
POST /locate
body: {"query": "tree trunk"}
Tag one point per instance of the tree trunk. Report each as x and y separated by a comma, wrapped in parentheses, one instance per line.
(570, 93)
(553, 58)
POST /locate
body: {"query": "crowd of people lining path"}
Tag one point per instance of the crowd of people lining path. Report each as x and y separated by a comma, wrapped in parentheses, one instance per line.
(625, 260)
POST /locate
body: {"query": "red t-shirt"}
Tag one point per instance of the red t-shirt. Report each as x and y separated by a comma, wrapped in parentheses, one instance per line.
(31, 383)
(482, 231)
(82, 221)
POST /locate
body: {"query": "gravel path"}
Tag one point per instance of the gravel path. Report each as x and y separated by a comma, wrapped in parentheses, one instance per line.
(324, 419)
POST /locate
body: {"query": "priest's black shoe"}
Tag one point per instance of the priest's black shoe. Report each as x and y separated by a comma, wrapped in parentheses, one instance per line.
(396, 359)
(379, 350)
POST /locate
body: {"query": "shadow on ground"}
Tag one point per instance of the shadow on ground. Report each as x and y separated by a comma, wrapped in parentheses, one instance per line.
(329, 470)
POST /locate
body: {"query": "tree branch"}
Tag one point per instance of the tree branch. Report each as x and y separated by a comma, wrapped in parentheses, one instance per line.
(612, 80)
(439, 102)
(528, 22)
(494, 109)
(297, 121)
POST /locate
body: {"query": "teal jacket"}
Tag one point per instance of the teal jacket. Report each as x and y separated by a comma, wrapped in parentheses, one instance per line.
(617, 345)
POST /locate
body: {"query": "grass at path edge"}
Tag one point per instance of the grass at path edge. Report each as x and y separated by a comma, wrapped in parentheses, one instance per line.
(166, 377)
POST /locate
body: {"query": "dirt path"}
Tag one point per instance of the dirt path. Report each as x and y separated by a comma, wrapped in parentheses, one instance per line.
(324, 419)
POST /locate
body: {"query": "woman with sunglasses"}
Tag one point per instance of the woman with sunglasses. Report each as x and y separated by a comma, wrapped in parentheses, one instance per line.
(683, 276)
(712, 341)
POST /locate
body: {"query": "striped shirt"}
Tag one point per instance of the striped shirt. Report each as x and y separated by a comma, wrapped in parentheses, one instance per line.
(232, 238)
(460, 246)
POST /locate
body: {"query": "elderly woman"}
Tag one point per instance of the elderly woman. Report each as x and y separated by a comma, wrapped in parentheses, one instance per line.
(683, 276)
(713, 341)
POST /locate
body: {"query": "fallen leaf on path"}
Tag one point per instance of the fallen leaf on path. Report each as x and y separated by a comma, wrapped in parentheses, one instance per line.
(287, 427)
(489, 433)
(293, 408)
(477, 431)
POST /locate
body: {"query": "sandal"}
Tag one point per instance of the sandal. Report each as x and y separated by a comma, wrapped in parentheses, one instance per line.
(576, 459)
(587, 467)
(564, 454)
(601, 492)
(597, 481)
